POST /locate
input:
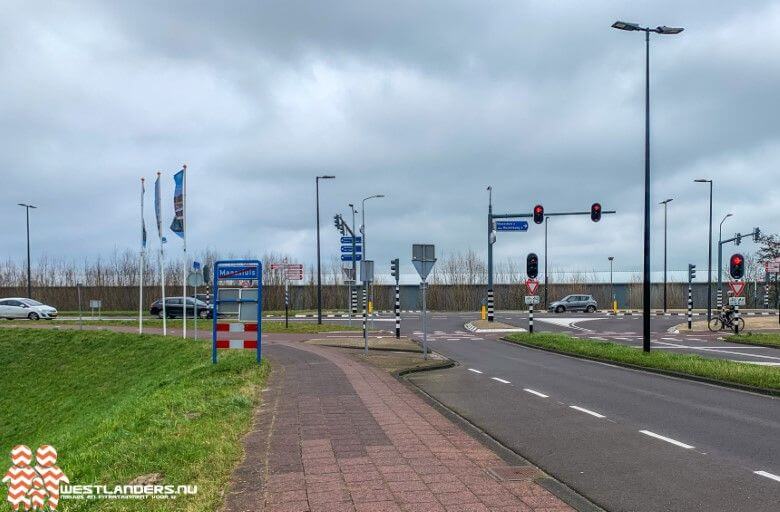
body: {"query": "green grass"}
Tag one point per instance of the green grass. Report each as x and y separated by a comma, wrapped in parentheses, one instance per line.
(757, 338)
(269, 326)
(758, 376)
(116, 406)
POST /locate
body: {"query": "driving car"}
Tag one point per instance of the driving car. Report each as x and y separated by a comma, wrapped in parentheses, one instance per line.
(576, 302)
(174, 307)
(17, 307)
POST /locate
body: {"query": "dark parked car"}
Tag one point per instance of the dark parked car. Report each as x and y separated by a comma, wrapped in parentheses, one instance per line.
(575, 303)
(174, 307)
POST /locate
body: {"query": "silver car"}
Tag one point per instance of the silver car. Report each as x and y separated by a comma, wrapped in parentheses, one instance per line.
(575, 303)
(26, 308)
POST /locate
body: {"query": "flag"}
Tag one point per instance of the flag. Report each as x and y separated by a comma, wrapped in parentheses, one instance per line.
(157, 207)
(143, 222)
(177, 226)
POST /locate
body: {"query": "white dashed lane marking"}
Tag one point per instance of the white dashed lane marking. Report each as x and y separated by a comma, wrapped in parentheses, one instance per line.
(535, 393)
(667, 439)
(587, 411)
(502, 381)
(473, 370)
(768, 475)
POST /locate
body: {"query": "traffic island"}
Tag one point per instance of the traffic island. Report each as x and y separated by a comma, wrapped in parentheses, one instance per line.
(761, 379)
(485, 326)
(384, 343)
(752, 323)
(761, 339)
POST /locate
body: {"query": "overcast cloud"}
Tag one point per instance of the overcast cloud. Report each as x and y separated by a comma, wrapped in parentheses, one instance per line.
(426, 102)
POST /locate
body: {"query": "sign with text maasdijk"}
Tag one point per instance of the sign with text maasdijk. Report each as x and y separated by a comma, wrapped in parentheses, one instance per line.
(238, 272)
(511, 225)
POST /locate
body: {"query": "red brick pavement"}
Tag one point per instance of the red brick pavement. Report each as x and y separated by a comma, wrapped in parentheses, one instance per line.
(335, 434)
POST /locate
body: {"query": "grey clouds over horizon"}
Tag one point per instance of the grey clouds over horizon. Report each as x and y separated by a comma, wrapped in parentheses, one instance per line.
(426, 102)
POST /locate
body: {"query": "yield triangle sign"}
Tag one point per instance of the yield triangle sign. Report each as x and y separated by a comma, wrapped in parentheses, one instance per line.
(737, 287)
(531, 285)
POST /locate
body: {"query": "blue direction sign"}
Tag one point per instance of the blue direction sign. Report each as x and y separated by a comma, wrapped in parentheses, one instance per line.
(348, 239)
(511, 225)
(348, 257)
(348, 248)
(238, 272)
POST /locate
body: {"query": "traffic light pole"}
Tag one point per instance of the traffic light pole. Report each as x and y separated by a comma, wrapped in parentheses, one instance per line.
(721, 243)
(491, 217)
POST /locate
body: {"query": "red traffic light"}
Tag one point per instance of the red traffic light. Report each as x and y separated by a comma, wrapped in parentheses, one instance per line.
(595, 212)
(538, 214)
(737, 266)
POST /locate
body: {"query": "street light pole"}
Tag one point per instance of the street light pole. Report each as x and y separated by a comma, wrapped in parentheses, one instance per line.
(665, 203)
(709, 255)
(621, 25)
(29, 273)
(546, 220)
(611, 285)
(720, 260)
(319, 271)
(363, 232)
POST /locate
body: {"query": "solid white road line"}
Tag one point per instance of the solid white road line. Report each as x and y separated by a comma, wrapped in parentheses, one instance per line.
(667, 439)
(502, 381)
(473, 370)
(587, 411)
(768, 475)
(535, 393)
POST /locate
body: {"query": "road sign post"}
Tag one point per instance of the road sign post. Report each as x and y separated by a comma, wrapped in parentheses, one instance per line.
(423, 259)
(366, 277)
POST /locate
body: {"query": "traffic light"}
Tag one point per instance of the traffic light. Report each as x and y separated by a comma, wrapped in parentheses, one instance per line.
(338, 223)
(756, 235)
(737, 266)
(691, 272)
(538, 214)
(595, 212)
(532, 265)
(738, 239)
(394, 269)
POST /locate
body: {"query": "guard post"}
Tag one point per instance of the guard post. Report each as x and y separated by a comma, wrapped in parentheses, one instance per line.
(247, 330)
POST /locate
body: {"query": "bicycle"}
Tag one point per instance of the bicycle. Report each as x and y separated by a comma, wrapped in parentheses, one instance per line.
(722, 321)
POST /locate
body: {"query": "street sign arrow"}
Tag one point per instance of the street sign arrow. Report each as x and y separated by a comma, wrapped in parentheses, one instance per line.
(348, 239)
(348, 257)
(511, 225)
(348, 248)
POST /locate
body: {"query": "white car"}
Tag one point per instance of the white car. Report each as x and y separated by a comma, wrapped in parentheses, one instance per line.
(26, 308)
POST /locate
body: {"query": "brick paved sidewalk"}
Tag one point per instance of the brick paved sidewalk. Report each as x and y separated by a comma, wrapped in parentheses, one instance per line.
(335, 434)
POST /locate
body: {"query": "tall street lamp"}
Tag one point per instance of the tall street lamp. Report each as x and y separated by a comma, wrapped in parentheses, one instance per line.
(709, 255)
(319, 271)
(665, 203)
(611, 285)
(29, 280)
(631, 27)
(720, 259)
(363, 232)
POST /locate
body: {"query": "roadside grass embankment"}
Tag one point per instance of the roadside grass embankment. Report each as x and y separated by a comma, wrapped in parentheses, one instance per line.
(118, 406)
(269, 326)
(765, 378)
(763, 339)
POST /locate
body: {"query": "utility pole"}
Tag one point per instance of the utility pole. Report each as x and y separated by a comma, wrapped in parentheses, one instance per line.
(665, 203)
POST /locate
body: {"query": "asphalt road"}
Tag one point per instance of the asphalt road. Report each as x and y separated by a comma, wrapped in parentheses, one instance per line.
(626, 439)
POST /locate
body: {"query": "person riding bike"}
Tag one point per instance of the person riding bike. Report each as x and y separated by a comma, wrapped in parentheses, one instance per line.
(728, 313)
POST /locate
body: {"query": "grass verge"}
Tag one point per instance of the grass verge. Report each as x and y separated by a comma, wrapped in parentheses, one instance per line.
(730, 372)
(269, 326)
(764, 339)
(117, 406)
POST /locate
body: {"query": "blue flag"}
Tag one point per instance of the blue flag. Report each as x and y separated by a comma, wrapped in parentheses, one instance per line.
(157, 207)
(177, 226)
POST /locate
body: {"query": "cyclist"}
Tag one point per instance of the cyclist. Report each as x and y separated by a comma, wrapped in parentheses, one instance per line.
(728, 314)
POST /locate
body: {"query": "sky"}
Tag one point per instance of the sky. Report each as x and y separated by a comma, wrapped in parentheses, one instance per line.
(427, 103)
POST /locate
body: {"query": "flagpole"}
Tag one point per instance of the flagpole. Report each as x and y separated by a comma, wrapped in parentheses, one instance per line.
(157, 199)
(184, 232)
(141, 281)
